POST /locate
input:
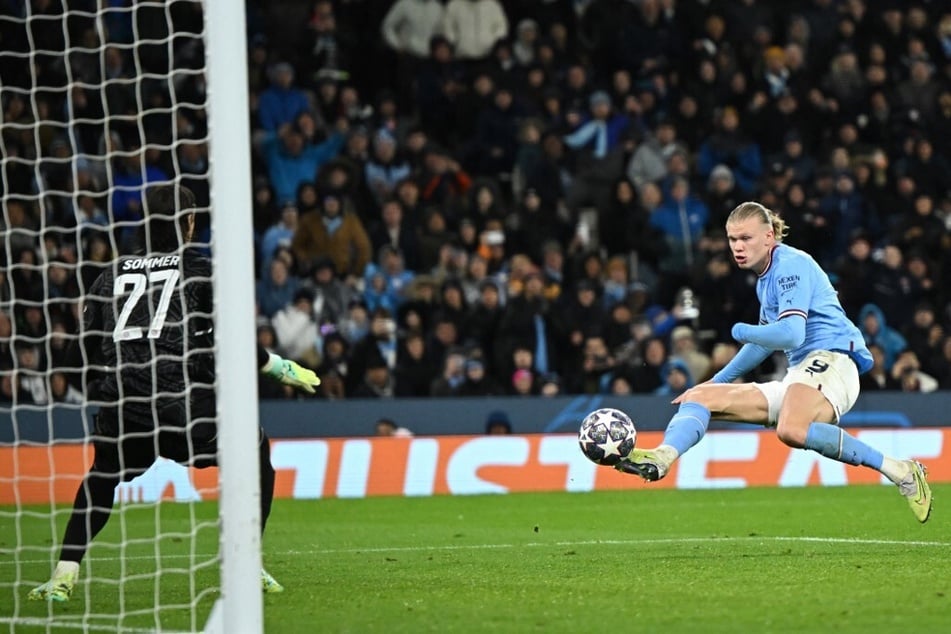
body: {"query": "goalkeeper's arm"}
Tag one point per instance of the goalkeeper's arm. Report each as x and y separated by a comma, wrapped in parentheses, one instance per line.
(286, 371)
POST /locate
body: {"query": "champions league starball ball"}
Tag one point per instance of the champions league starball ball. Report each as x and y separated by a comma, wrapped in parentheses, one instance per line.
(606, 436)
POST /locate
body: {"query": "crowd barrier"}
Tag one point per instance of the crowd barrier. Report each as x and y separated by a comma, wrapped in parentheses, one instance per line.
(314, 468)
(466, 416)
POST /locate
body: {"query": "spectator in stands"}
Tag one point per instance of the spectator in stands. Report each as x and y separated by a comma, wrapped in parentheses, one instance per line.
(598, 366)
(415, 368)
(385, 169)
(892, 290)
(474, 26)
(676, 378)
(453, 374)
(291, 161)
(498, 423)
(523, 383)
(379, 342)
(442, 181)
(280, 234)
(296, 329)
(908, 373)
(684, 346)
(919, 93)
(942, 364)
(598, 143)
(277, 289)
(848, 214)
(388, 427)
(647, 164)
(921, 229)
(129, 180)
(730, 146)
(322, 45)
(645, 377)
(923, 334)
(682, 221)
(331, 295)
(477, 381)
(280, 104)
(496, 134)
(387, 281)
(336, 233)
(377, 380)
(439, 83)
(876, 330)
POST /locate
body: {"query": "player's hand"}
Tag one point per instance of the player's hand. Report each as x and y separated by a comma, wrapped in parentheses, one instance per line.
(291, 373)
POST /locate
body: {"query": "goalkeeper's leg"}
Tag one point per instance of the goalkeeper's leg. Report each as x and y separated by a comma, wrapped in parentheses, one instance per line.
(268, 583)
(93, 506)
(207, 456)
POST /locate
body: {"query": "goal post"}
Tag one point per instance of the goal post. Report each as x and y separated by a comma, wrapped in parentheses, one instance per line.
(240, 606)
(98, 100)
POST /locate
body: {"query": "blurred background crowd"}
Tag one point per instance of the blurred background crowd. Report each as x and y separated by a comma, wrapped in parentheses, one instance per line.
(471, 197)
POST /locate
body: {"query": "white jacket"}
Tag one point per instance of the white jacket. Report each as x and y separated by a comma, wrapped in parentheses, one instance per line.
(474, 26)
(296, 332)
(410, 24)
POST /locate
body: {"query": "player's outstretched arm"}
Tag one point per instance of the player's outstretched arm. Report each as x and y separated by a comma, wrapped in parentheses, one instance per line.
(286, 371)
(785, 334)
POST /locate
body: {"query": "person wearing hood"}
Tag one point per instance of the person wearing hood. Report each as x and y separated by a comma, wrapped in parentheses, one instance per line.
(876, 331)
(676, 377)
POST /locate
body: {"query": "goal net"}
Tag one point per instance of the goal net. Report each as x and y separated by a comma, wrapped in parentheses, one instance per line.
(101, 98)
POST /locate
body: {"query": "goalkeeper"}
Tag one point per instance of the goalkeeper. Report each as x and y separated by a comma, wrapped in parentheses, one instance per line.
(145, 355)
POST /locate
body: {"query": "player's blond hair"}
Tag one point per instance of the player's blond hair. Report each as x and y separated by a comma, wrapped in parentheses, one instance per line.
(752, 209)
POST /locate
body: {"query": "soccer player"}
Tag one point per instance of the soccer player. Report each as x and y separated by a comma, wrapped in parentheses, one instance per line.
(148, 337)
(801, 315)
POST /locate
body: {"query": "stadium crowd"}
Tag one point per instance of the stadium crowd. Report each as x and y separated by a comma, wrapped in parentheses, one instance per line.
(472, 197)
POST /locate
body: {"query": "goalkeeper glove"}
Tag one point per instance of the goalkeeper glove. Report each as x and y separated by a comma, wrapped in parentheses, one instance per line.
(290, 373)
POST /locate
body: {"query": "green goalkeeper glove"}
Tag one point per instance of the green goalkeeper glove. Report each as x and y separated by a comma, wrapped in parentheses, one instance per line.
(290, 373)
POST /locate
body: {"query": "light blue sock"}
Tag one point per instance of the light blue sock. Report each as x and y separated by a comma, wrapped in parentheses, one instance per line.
(687, 426)
(833, 442)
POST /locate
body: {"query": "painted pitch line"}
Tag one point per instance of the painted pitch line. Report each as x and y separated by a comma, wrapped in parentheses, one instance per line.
(628, 542)
(590, 542)
(61, 621)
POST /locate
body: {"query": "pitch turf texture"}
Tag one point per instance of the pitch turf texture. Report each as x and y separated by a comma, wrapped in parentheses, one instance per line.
(850, 559)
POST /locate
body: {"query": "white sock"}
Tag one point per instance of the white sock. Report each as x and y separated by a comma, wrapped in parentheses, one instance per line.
(668, 453)
(894, 470)
(66, 568)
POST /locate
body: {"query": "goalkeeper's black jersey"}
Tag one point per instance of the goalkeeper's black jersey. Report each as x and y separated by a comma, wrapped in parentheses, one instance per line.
(148, 327)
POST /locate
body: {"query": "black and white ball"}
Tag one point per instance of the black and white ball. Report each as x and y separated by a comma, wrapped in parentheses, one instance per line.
(606, 436)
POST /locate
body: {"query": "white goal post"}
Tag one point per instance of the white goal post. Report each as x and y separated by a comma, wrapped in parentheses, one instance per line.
(240, 606)
(56, 155)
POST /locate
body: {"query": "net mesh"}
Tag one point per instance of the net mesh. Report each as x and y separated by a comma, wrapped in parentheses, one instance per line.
(99, 99)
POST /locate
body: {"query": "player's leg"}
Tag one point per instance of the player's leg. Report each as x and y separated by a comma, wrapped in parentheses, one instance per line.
(199, 448)
(92, 506)
(819, 391)
(723, 401)
(269, 584)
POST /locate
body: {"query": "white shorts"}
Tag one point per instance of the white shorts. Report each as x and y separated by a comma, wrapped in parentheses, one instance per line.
(832, 373)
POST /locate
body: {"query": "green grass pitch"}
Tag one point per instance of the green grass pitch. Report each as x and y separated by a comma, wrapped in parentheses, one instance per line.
(850, 559)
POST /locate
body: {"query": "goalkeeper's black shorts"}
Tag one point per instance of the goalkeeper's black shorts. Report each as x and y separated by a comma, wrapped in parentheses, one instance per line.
(128, 445)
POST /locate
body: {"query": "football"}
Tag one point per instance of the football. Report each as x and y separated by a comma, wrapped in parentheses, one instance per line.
(606, 436)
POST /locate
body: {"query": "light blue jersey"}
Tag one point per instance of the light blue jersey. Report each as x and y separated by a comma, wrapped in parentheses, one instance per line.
(794, 284)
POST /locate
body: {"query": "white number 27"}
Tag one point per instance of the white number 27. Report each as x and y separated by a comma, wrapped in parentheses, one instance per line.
(168, 278)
